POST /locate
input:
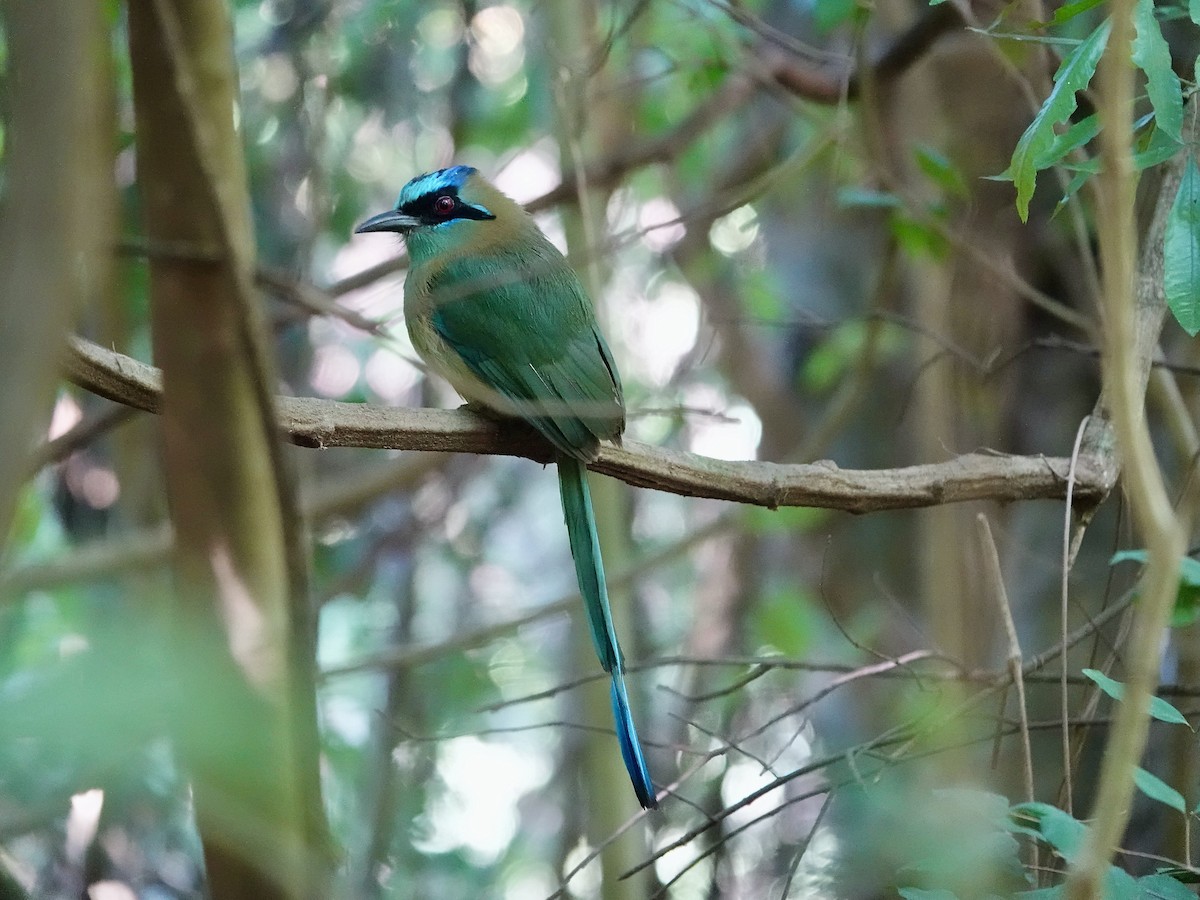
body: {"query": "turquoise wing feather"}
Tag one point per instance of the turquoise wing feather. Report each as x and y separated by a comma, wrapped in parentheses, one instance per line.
(528, 331)
(532, 336)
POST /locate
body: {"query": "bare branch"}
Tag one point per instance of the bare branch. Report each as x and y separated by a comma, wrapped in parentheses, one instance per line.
(820, 85)
(314, 422)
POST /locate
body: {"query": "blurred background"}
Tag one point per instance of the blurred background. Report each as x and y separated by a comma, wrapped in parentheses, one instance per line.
(782, 211)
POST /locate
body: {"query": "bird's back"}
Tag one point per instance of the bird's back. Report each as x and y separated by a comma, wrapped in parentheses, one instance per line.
(507, 322)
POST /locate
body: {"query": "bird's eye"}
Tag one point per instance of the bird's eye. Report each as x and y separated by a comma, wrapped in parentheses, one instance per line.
(444, 205)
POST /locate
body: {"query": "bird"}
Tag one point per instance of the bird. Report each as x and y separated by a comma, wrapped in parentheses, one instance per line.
(492, 306)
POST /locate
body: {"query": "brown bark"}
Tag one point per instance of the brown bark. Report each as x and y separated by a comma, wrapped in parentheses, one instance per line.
(245, 725)
(56, 223)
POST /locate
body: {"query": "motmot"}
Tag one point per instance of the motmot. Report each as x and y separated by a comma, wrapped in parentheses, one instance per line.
(493, 307)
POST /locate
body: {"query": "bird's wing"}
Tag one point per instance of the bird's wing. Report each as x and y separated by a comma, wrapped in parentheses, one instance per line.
(531, 335)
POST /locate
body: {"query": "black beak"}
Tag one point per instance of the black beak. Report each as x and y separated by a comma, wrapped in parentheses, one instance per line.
(392, 220)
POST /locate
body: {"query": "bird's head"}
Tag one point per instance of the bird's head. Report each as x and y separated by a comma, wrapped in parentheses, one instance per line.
(442, 209)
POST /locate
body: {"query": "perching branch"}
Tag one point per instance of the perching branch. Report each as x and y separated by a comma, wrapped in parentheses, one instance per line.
(313, 422)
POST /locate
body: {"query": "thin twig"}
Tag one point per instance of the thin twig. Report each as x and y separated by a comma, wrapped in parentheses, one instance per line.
(83, 433)
(995, 580)
(1067, 561)
(803, 848)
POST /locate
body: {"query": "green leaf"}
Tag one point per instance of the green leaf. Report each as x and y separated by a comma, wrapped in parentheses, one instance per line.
(786, 621)
(829, 14)
(1187, 598)
(986, 806)
(1157, 789)
(1068, 11)
(1177, 873)
(916, 238)
(851, 196)
(763, 298)
(760, 520)
(1060, 830)
(1181, 251)
(1152, 56)
(1073, 75)
(1163, 887)
(941, 171)
(830, 360)
(1159, 149)
(1159, 708)
(1120, 885)
(1063, 144)
(1079, 134)
(1194, 11)
(1077, 181)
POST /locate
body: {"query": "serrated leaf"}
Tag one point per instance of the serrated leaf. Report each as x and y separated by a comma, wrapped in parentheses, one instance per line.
(1157, 789)
(1181, 251)
(1152, 55)
(1072, 76)
(1159, 708)
(1063, 144)
(1072, 139)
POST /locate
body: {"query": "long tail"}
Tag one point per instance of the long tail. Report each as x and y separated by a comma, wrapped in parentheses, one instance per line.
(585, 549)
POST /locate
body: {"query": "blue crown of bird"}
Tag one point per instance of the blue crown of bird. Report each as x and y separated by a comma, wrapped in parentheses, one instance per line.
(492, 306)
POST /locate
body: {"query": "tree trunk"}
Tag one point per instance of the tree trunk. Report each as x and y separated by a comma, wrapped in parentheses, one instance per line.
(244, 715)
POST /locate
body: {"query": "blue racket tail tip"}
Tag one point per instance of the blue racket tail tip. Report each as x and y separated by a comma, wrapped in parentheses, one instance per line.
(631, 747)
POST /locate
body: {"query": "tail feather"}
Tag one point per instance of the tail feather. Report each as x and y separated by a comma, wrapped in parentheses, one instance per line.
(631, 747)
(589, 569)
(585, 550)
